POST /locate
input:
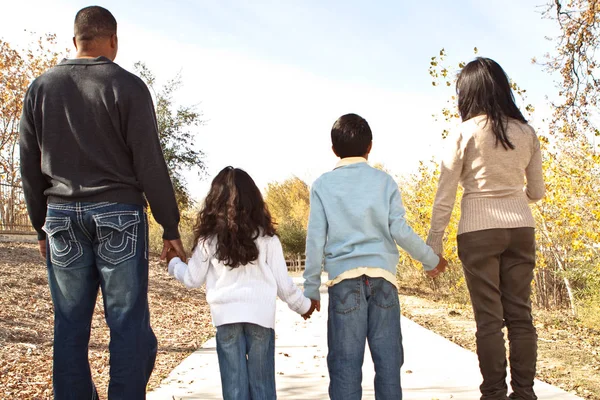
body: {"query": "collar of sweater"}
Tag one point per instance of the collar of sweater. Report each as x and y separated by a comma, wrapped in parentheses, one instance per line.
(85, 61)
(349, 161)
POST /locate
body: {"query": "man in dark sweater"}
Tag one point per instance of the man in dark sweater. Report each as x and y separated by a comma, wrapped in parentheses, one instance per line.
(90, 157)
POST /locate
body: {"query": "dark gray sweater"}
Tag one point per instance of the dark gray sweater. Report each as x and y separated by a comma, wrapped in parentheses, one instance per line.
(89, 134)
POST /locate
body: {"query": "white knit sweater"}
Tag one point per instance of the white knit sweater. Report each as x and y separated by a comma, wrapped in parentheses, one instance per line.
(244, 294)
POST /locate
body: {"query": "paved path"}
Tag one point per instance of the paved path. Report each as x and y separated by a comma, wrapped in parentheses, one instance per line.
(434, 367)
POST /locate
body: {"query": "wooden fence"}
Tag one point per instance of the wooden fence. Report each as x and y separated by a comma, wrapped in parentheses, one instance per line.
(296, 264)
(13, 211)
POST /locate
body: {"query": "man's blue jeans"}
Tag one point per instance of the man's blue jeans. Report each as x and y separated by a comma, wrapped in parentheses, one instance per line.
(363, 309)
(91, 246)
(247, 361)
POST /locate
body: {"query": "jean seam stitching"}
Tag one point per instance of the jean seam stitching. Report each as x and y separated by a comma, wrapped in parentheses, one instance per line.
(63, 207)
(80, 222)
(146, 233)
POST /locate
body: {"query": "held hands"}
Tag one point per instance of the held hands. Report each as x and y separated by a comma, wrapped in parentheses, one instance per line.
(314, 305)
(171, 254)
(176, 246)
(172, 249)
(441, 267)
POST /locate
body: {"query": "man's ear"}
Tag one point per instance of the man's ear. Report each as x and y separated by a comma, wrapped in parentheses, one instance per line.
(114, 41)
(75, 43)
(370, 147)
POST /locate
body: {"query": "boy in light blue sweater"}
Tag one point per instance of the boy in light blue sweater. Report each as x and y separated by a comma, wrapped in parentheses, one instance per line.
(356, 222)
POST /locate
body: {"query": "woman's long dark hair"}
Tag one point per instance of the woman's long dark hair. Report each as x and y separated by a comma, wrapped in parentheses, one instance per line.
(234, 215)
(483, 89)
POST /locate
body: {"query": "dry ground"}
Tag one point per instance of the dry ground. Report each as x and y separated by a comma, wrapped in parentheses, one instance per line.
(180, 318)
(569, 354)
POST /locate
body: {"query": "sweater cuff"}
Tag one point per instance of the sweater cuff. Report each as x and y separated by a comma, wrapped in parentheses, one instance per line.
(435, 240)
(306, 303)
(172, 265)
(312, 293)
(171, 232)
(41, 235)
(432, 261)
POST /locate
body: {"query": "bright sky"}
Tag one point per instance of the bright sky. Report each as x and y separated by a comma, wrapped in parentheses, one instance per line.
(271, 77)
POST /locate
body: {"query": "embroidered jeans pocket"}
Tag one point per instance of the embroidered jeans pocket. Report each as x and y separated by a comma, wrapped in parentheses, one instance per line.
(117, 235)
(64, 247)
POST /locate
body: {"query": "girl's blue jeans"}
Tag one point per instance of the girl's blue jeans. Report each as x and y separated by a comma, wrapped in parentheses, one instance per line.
(247, 361)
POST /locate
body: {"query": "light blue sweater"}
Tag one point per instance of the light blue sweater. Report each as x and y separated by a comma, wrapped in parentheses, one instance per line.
(356, 220)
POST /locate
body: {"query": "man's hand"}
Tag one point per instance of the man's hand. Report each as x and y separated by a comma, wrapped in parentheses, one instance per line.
(171, 254)
(175, 245)
(441, 267)
(42, 244)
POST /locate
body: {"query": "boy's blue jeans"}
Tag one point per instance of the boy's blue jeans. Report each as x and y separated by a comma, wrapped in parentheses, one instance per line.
(246, 361)
(91, 246)
(363, 309)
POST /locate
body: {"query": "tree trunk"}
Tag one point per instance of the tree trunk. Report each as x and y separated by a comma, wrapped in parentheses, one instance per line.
(561, 267)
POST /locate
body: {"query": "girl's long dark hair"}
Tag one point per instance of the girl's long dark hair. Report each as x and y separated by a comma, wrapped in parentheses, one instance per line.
(483, 89)
(233, 216)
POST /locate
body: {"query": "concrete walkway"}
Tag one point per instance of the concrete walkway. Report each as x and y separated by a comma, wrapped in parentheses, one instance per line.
(434, 367)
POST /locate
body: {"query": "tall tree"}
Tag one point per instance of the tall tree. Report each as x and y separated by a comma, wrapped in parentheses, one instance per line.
(576, 62)
(177, 130)
(18, 68)
(289, 203)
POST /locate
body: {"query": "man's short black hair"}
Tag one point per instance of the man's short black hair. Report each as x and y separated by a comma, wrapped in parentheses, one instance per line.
(351, 136)
(94, 22)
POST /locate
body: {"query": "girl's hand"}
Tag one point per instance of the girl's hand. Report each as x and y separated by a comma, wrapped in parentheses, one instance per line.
(171, 254)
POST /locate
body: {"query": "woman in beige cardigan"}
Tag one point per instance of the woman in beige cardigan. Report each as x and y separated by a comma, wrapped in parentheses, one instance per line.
(492, 154)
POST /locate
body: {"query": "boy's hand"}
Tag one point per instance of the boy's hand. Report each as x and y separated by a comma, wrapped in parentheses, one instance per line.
(441, 267)
(314, 305)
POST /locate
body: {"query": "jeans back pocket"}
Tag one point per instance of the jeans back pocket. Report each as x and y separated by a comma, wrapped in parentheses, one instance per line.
(383, 293)
(344, 297)
(64, 247)
(117, 235)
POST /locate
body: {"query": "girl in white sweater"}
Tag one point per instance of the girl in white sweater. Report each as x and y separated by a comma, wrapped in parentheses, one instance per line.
(241, 260)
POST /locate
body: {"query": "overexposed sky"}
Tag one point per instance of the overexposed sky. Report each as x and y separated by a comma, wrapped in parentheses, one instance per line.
(271, 77)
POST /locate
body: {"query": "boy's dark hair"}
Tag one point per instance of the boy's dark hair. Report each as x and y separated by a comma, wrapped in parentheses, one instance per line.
(94, 22)
(234, 215)
(351, 136)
